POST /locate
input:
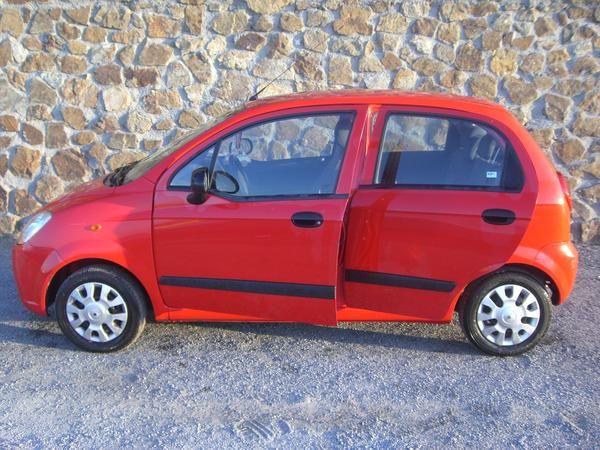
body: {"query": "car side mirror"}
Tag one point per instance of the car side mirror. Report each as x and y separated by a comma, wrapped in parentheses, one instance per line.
(200, 186)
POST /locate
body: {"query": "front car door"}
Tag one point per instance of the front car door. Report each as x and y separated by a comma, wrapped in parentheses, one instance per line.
(265, 244)
(446, 200)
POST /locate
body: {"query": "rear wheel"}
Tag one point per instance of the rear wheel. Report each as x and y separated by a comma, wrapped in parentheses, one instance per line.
(101, 308)
(507, 314)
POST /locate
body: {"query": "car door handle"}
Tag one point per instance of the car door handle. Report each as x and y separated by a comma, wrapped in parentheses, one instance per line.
(307, 219)
(498, 216)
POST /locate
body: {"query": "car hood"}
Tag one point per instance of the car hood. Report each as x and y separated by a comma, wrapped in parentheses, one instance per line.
(84, 193)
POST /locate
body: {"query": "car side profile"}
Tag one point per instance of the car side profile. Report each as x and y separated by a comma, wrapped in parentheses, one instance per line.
(315, 208)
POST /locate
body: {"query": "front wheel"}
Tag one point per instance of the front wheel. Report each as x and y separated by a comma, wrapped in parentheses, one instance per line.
(507, 314)
(101, 308)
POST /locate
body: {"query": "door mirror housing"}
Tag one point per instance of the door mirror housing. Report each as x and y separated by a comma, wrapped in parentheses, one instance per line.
(200, 184)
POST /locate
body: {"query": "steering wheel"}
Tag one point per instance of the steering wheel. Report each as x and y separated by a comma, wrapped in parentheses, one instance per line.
(244, 146)
(230, 177)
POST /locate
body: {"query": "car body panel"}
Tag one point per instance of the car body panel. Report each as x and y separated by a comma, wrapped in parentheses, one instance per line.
(248, 241)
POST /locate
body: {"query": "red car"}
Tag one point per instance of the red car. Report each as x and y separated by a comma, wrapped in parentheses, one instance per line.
(315, 208)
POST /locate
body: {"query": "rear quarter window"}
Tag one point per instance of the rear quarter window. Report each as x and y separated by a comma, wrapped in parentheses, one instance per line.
(442, 152)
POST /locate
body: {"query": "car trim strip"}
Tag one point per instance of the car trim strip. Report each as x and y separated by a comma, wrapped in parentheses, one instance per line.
(402, 281)
(254, 287)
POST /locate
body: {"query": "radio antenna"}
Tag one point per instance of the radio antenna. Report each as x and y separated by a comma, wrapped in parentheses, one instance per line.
(283, 72)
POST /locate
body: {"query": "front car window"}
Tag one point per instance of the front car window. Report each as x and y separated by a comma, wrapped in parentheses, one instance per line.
(299, 155)
(439, 152)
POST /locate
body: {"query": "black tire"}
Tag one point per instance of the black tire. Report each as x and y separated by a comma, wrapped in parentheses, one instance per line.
(125, 285)
(475, 294)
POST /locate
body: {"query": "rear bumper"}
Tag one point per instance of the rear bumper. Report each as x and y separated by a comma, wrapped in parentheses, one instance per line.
(33, 268)
(560, 261)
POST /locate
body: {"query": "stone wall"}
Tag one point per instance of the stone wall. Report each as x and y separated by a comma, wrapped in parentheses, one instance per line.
(88, 86)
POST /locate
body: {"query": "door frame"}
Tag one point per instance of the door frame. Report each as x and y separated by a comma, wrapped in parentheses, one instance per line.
(378, 118)
(367, 176)
(355, 151)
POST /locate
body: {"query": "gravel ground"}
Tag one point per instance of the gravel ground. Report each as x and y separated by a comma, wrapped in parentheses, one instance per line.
(275, 385)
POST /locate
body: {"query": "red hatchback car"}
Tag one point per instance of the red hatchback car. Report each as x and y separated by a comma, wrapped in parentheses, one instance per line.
(315, 208)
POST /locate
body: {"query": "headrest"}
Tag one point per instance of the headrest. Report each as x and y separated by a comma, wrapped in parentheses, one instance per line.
(486, 148)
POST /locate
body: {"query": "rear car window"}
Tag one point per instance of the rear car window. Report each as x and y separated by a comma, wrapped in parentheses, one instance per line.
(440, 152)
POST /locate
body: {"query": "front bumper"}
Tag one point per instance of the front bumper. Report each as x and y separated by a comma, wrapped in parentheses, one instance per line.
(33, 268)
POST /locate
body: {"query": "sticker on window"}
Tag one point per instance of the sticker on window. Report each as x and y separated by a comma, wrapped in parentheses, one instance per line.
(491, 174)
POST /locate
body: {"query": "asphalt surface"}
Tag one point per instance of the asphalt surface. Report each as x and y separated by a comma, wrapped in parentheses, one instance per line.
(276, 385)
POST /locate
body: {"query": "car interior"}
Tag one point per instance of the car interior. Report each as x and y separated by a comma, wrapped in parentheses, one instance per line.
(472, 155)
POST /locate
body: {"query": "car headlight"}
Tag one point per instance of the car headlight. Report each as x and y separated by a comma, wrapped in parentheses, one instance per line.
(33, 225)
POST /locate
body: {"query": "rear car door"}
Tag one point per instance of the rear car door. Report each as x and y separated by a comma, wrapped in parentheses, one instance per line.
(447, 200)
(265, 244)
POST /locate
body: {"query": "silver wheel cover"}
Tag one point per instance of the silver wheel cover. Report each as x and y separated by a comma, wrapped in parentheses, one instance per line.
(508, 315)
(97, 312)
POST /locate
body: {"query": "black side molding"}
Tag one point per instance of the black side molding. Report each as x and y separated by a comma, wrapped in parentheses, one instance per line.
(403, 281)
(255, 287)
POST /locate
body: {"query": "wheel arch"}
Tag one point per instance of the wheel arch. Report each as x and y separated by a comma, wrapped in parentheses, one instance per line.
(61, 275)
(534, 272)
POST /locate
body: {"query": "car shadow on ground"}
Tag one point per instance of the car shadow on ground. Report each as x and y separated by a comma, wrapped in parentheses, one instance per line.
(40, 332)
(351, 336)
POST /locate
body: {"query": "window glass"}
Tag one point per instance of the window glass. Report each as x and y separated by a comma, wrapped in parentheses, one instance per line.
(300, 155)
(183, 177)
(445, 152)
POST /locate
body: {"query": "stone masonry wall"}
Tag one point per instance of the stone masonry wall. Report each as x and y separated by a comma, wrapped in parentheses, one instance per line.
(88, 86)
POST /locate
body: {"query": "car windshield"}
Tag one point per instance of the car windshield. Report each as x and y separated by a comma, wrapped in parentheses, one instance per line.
(139, 168)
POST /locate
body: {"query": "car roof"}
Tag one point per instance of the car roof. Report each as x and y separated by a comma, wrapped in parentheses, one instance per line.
(380, 97)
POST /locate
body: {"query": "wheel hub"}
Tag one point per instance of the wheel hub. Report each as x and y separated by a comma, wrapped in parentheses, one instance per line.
(97, 312)
(508, 315)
